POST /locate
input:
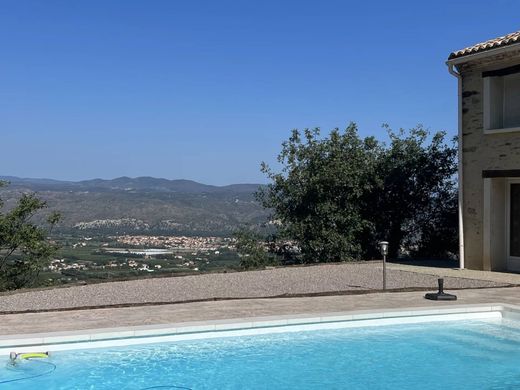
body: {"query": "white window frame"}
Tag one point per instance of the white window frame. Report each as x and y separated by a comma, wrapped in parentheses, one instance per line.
(486, 88)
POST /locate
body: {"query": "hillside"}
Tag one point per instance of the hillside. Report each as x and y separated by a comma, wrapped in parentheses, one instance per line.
(144, 205)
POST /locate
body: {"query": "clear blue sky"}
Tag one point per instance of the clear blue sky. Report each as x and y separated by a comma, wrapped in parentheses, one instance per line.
(206, 90)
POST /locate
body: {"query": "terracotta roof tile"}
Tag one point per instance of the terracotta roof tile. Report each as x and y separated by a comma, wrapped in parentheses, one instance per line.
(506, 40)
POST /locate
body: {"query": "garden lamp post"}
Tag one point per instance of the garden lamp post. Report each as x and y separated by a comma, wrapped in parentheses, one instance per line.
(383, 247)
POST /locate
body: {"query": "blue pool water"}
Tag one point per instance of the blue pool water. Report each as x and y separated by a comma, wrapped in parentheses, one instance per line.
(442, 355)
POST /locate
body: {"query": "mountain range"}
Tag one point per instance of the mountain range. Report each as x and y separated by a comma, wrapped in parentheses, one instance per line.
(144, 205)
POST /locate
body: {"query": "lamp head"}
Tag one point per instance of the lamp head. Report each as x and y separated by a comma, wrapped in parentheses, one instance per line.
(383, 247)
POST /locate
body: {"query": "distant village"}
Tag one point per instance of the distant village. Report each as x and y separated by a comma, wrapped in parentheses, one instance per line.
(177, 242)
(85, 257)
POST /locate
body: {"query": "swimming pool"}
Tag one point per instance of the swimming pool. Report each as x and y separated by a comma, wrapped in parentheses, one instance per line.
(463, 354)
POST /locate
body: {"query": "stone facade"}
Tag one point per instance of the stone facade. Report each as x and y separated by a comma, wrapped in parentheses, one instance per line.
(484, 201)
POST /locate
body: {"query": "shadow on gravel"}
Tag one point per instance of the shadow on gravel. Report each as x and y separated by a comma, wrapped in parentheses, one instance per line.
(428, 263)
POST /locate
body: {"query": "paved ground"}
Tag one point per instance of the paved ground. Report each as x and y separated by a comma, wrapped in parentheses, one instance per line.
(332, 278)
(498, 277)
(11, 324)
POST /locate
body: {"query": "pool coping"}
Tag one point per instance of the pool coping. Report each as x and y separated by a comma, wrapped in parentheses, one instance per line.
(145, 334)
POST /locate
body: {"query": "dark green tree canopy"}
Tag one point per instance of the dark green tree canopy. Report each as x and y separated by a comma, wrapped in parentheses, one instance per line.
(336, 196)
(418, 187)
(24, 247)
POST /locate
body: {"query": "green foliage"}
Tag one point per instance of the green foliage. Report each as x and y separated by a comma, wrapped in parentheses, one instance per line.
(336, 196)
(418, 193)
(439, 228)
(252, 251)
(24, 247)
(318, 196)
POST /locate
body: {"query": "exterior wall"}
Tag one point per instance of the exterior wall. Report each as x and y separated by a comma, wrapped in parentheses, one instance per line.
(494, 225)
(483, 242)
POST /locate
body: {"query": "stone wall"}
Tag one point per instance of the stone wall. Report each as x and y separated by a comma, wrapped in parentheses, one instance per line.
(481, 152)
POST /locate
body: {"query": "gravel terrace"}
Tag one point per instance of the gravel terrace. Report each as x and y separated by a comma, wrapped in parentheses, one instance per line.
(254, 284)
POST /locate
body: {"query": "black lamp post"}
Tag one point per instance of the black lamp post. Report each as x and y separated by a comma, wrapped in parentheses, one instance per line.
(383, 247)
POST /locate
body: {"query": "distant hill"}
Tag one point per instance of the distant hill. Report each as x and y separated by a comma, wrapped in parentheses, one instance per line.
(144, 183)
(144, 205)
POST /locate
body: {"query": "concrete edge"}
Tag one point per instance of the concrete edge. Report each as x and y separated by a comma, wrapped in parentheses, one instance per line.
(144, 334)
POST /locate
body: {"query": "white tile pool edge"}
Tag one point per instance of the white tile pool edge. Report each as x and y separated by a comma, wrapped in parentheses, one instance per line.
(125, 336)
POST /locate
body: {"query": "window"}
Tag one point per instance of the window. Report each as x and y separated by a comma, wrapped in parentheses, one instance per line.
(514, 221)
(502, 99)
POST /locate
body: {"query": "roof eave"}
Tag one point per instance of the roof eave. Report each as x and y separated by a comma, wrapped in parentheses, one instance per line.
(482, 54)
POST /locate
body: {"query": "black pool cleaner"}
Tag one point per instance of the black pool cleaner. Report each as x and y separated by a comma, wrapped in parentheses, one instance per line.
(441, 295)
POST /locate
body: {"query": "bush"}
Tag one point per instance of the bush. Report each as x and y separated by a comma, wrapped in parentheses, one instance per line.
(252, 252)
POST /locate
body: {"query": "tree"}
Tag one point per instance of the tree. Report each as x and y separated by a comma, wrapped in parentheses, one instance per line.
(24, 247)
(417, 188)
(336, 196)
(319, 196)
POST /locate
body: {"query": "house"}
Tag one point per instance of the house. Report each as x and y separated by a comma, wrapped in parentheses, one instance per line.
(489, 153)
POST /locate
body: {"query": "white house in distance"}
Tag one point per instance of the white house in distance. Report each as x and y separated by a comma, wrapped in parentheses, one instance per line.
(489, 153)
